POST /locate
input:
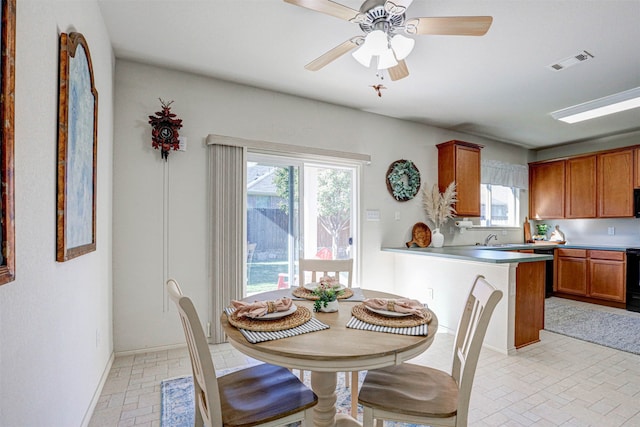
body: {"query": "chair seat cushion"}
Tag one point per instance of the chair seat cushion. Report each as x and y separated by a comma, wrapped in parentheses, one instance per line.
(411, 390)
(260, 394)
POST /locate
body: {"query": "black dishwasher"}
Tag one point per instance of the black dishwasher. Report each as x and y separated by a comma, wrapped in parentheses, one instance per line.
(633, 279)
(548, 270)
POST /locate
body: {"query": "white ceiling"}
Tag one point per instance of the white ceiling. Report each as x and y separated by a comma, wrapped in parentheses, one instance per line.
(497, 85)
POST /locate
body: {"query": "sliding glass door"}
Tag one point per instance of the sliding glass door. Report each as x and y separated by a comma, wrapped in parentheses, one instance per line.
(295, 208)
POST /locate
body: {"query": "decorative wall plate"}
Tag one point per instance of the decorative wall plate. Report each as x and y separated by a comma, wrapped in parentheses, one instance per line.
(403, 180)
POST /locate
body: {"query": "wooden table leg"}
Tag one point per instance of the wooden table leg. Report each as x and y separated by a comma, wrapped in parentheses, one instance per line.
(324, 414)
(324, 385)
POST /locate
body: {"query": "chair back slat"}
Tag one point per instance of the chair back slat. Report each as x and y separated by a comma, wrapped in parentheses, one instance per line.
(472, 328)
(325, 267)
(205, 384)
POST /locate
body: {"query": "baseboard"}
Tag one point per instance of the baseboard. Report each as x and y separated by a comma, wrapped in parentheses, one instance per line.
(96, 395)
(149, 350)
(590, 300)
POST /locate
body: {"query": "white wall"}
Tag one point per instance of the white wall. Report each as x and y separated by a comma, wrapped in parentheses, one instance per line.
(142, 317)
(55, 318)
(444, 285)
(600, 144)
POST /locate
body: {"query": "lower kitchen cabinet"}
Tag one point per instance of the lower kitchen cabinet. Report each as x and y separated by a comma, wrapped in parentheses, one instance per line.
(607, 275)
(595, 276)
(571, 271)
(529, 311)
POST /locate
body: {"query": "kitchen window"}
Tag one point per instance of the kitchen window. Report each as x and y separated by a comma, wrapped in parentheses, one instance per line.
(500, 188)
(499, 206)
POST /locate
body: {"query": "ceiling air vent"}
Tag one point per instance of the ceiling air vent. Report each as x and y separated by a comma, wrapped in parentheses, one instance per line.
(570, 61)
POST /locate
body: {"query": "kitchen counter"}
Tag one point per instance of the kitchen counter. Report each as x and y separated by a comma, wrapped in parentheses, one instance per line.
(501, 253)
(596, 246)
(495, 255)
(442, 276)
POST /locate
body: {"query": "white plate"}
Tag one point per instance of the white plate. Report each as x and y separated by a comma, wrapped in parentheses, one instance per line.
(278, 314)
(313, 285)
(387, 313)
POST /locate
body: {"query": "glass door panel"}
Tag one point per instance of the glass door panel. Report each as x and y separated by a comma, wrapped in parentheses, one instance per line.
(272, 224)
(327, 208)
(328, 212)
(275, 216)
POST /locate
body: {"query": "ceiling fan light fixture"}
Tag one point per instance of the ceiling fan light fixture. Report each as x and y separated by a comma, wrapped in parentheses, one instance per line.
(402, 46)
(363, 56)
(376, 42)
(387, 60)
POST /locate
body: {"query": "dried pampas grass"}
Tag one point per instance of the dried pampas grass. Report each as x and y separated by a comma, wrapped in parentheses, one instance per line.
(439, 206)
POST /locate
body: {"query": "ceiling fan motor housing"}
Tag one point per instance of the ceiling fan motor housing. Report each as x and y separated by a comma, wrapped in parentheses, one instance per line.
(375, 16)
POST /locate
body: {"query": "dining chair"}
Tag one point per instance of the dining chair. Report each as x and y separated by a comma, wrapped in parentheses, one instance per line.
(417, 394)
(265, 395)
(311, 270)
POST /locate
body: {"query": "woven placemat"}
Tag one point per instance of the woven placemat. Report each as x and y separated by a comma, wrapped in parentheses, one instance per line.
(297, 318)
(361, 313)
(305, 293)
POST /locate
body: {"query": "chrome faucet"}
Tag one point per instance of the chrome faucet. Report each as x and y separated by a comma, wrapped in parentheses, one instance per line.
(489, 237)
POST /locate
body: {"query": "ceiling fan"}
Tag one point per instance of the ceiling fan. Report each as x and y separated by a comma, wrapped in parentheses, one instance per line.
(383, 23)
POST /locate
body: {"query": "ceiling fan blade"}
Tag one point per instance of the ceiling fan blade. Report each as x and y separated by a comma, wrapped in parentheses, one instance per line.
(398, 72)
(450, 26)
(333, 54)
(327, 6)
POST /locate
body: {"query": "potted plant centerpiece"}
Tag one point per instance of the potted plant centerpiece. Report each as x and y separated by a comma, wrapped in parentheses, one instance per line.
(541, 230)
(327, 292)
(439, 207)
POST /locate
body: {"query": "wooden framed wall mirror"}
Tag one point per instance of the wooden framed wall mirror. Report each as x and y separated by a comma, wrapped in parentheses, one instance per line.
(7, 83)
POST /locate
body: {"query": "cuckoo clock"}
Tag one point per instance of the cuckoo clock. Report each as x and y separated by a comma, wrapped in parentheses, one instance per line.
(164, 135)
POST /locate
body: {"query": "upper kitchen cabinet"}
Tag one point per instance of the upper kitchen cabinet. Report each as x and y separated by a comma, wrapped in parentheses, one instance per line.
(547, 189)
(615, 184)
(459, 161)
(581, 187)
(596, 185)
(636, 168)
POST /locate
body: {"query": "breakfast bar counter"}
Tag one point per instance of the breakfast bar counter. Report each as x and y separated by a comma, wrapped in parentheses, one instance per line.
(441, 277)
(491, 254)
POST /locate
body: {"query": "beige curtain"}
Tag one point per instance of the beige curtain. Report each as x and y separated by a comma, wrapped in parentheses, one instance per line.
(226, 210)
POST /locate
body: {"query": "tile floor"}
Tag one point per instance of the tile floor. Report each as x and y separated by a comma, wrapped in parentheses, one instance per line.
(559, 381)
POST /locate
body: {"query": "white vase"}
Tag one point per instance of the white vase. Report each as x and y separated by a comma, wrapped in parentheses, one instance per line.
(331, 307)
(437, 238)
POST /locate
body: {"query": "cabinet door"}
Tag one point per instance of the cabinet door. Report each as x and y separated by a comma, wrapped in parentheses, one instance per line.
(547, 190)
(459, 161)
(607, 271)
(580, 194)
(529, 312)
(636, 168)
(571, 275)
(468, 181)
(615, 184)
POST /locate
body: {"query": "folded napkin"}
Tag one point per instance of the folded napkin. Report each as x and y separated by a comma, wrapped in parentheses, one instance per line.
(329, 281)
(401, 305)
(260, 308)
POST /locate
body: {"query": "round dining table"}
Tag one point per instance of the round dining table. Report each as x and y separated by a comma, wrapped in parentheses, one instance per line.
(332, 350)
